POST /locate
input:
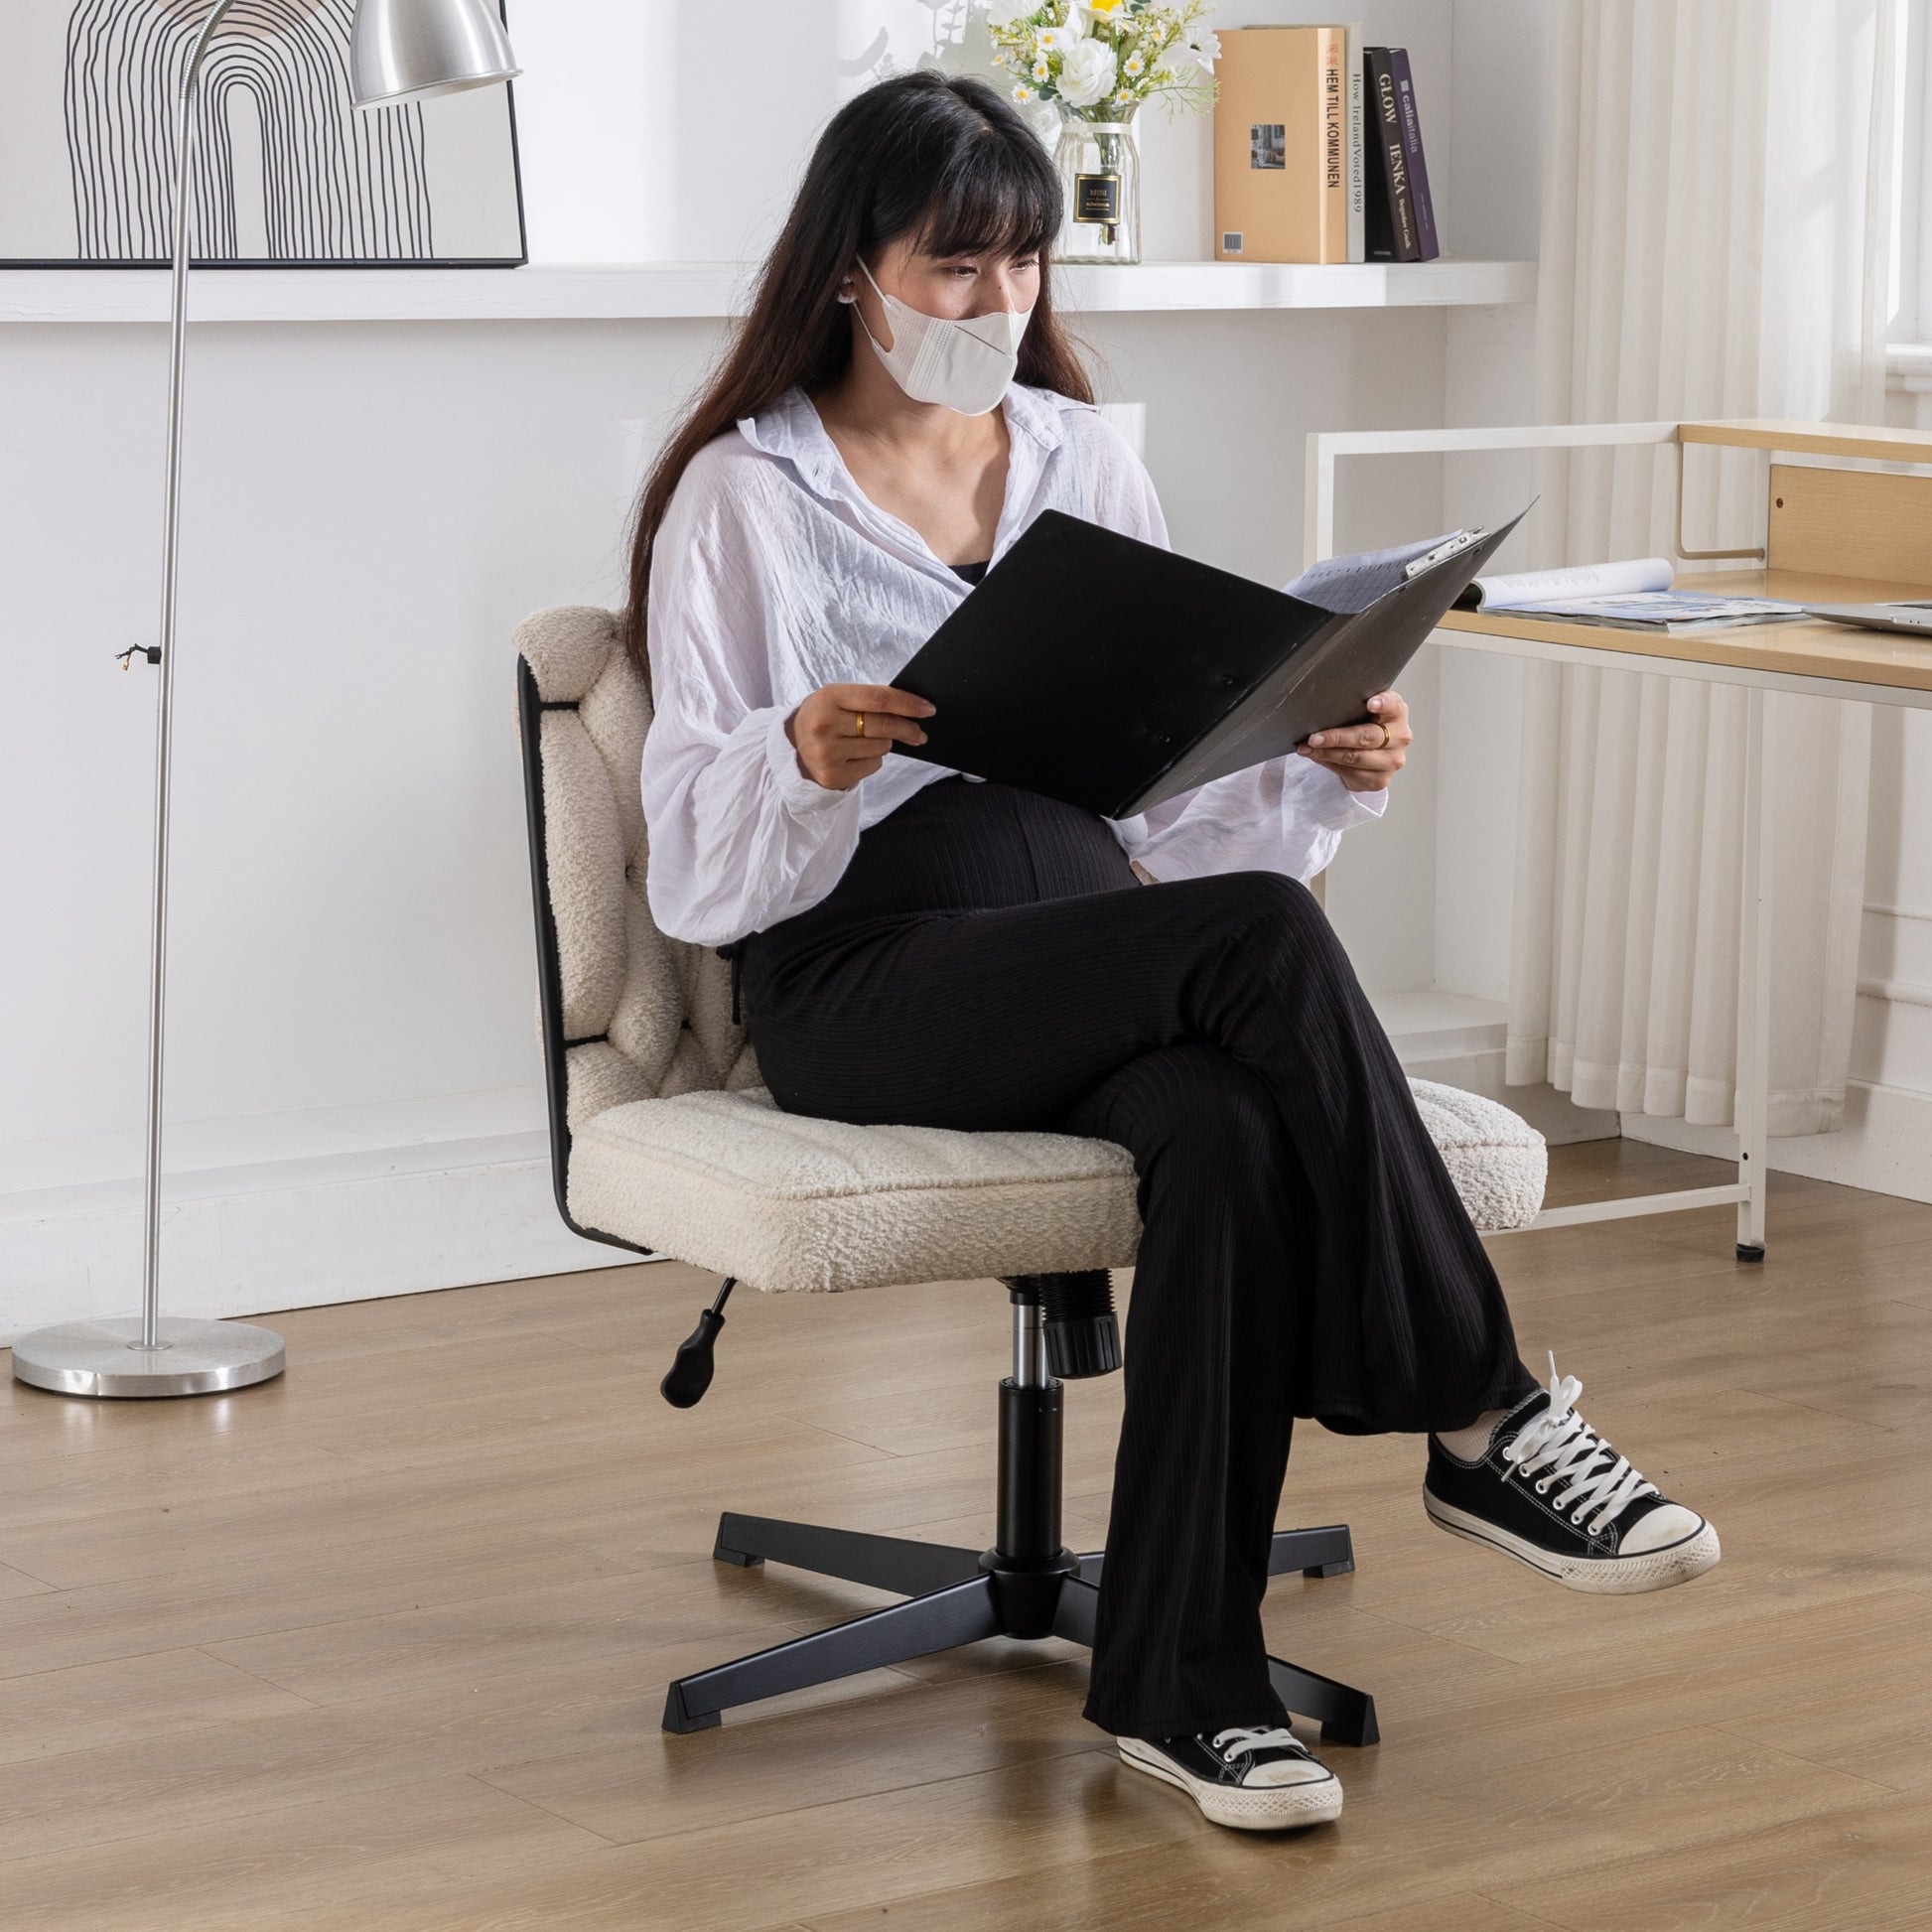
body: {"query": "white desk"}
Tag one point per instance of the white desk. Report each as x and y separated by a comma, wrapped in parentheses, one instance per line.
(1874, 530)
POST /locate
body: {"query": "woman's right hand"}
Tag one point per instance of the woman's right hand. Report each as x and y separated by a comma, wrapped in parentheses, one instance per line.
(842, 732)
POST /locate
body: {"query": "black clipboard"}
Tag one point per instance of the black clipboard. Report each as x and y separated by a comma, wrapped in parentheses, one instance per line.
(1110, 673)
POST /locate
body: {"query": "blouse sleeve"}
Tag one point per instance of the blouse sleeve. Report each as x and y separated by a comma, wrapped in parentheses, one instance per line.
(1285, 815)
(740, 837)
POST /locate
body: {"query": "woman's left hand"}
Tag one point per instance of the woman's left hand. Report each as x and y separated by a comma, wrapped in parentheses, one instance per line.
(1357, 754)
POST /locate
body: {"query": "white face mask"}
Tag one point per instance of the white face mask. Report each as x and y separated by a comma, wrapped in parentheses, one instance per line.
(966, 365)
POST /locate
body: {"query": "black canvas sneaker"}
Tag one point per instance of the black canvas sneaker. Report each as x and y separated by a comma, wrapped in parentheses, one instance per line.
(1551, 1492)
(1255, 1777)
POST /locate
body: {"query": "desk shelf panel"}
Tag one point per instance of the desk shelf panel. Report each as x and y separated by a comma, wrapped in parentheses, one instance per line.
(1811, 649)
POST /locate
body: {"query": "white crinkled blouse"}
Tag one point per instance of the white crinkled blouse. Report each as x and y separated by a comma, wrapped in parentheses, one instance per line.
(773, 574)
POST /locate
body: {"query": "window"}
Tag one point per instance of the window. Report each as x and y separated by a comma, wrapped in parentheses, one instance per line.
(1911, 304)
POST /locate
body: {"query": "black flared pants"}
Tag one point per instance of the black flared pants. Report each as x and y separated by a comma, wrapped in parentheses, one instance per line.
(989, 960)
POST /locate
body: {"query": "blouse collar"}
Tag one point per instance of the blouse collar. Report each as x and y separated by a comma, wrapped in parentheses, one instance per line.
(791, 429)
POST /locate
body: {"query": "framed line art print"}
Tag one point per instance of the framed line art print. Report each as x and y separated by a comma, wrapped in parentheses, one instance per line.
(287, 173)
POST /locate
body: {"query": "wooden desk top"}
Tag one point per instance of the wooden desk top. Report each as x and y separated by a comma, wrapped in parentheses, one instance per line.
(1814, 439)
(1804, 648)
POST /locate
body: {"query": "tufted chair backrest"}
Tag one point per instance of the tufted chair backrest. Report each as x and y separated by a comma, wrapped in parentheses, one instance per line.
(634, 1016)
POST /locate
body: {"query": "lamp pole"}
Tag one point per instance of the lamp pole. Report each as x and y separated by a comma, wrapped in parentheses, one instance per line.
(165, 711)
(401, 50)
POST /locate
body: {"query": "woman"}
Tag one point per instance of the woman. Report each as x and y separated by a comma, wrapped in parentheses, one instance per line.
(920, 947)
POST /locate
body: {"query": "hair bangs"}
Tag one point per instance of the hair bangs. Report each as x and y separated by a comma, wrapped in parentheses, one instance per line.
(997, 198)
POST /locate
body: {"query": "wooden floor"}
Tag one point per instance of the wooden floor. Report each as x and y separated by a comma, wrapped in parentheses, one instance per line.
(383, 1644)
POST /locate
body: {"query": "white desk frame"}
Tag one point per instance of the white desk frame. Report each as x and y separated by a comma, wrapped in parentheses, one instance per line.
(1753, 955)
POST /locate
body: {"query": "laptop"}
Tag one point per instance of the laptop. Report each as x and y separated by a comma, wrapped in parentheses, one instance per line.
(1909, 616)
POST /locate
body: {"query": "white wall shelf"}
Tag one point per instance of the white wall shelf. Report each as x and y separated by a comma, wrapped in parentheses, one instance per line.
(625, 292)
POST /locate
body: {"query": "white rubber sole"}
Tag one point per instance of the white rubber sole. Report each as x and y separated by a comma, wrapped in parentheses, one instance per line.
(1676, 1562)
(1263, 1808)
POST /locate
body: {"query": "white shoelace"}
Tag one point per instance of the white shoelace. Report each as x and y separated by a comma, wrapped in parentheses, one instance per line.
(1237, 1739)
(1560, 1442)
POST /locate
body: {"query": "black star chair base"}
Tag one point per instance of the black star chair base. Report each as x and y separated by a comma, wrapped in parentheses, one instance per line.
(1027, 1584)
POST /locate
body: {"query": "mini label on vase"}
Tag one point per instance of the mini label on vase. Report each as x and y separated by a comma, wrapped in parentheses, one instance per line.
(1096, 198)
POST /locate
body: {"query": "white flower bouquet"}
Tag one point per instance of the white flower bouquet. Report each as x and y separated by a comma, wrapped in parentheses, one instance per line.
(1099, 60)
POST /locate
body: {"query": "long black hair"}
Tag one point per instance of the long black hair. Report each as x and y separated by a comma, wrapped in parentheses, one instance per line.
(935, 157)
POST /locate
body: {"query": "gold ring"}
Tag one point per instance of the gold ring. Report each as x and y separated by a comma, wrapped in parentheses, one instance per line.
(1384, 745)
(861, 732)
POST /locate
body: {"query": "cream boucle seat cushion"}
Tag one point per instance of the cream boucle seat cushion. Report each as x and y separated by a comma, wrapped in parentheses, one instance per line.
(731, 1182)
(674, 1146)
(784, 1201)
(1497, 1159)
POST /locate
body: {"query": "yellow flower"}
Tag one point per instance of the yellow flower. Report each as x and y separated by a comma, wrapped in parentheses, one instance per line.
(1103, 7)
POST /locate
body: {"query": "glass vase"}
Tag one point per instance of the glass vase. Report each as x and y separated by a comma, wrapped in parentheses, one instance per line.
(1099, 165)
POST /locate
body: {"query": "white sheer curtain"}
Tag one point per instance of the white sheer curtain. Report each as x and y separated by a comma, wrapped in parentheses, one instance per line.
(1716, 243)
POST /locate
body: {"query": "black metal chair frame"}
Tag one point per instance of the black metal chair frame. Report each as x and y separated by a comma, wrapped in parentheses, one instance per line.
(1027, 1583)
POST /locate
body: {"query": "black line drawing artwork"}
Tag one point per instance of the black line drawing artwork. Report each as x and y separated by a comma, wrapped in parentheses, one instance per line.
(335, 185)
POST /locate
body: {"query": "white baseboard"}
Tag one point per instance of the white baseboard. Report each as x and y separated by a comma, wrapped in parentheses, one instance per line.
(1884, 1147)
(356, 1226)
(1457, 1038)
(290, 1234)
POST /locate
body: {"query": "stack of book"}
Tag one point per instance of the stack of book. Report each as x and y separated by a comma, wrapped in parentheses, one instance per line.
(1317, 150)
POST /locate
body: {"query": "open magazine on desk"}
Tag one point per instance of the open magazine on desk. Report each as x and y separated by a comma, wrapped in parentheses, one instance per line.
(1636, 592)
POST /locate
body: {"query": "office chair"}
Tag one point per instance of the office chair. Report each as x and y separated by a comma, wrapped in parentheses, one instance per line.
(663, 1142)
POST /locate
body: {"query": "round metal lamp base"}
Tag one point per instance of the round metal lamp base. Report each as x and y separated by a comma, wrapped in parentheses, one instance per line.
(106, 1358)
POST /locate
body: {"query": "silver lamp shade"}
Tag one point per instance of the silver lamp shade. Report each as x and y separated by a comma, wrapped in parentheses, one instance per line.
(409, 49)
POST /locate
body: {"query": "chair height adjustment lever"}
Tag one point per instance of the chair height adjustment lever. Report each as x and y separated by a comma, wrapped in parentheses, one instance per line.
(691, 1368)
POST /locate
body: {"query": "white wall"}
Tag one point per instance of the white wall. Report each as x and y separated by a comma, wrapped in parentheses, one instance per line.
(613, 111)
(370, 511)
(608, 113)
(354, 1079)
(1421, 899)
(1497, 183)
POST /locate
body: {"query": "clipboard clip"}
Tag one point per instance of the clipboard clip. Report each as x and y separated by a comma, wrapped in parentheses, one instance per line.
(1448, 548)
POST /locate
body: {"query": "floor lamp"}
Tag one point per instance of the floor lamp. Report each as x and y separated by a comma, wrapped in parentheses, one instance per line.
(399, 51)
